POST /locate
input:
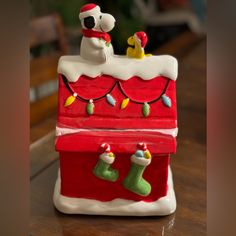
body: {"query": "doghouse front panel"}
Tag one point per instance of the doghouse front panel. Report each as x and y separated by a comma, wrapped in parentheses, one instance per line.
(78, 180)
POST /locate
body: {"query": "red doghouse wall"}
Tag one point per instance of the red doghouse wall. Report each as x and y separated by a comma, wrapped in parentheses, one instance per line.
(77, 179)
(107, 116)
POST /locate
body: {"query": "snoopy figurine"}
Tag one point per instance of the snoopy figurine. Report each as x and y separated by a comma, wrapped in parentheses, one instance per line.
(96, 42)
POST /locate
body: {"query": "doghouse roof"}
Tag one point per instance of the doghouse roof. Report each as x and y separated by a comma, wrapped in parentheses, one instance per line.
(120, 67)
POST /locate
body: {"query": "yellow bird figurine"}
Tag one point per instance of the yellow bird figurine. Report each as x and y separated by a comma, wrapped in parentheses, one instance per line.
(138, 42)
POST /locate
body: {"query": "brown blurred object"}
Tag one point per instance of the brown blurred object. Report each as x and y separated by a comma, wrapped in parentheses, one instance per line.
(169, 4)
(43, 69)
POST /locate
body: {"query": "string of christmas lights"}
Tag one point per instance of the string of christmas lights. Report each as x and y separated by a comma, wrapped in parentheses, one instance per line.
(109, 98)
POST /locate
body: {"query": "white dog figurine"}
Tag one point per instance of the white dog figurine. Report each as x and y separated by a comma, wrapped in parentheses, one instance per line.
(96, 42)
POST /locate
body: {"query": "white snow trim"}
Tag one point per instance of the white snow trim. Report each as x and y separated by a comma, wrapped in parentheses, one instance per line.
(120, 67)
(163, 206)
(63, 131)
(106, 158)
(142, 161)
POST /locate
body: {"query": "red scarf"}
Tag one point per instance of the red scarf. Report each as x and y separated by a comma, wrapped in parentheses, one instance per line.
(96, 34)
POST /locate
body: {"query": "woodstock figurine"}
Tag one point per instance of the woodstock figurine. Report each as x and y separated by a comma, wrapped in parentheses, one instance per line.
(138, 42)
(96, 42)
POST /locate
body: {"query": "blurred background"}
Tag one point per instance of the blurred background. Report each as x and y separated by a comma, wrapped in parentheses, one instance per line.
(55, 30)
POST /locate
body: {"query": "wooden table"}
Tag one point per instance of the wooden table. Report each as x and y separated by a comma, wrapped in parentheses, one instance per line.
(189, 169)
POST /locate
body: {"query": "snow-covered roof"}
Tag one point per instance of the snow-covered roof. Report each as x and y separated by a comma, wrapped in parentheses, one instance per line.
(120, 67)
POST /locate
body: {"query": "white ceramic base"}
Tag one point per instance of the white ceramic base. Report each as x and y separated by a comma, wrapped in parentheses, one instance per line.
(163, 206)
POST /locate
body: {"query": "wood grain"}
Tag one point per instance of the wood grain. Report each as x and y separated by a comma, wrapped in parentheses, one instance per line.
(46, 126)
(189, 170)
(43, 108)
(43, 69)
(42, 154)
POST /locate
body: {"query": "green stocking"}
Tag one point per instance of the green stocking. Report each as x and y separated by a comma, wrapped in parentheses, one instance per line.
(134, 181)
(103, 170)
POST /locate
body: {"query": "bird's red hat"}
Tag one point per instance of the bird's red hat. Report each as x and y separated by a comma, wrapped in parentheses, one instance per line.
(142, 38)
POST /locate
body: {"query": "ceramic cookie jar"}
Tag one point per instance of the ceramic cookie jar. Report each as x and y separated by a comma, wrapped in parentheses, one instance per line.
(116, 125)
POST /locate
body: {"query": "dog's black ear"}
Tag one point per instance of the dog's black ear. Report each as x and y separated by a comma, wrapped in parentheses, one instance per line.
(89, 22)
